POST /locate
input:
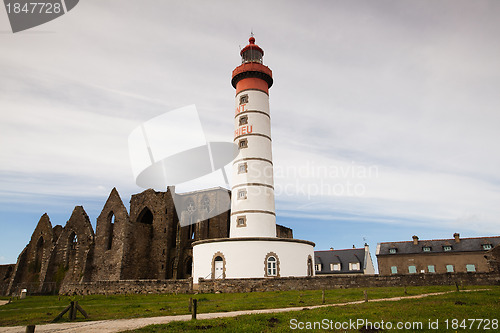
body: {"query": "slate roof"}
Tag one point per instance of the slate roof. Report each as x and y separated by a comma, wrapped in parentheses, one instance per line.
(344, 257)
(437, 246)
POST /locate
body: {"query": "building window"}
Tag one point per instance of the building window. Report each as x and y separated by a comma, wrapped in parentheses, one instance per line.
(470, 268)
(392, 251)
(447, 248)
(205, 204)
(354, 266)
(241, 221)
(487, 246)
(242, 194)
(145, 216)
(243, 120)
(271, 266)
(243, 143)
(412, 269)
(317, 267)
(242, 167)
(243, 99)
(449, 268)
(394, 270)
(335, 267)
(427, 249)
(431, 269)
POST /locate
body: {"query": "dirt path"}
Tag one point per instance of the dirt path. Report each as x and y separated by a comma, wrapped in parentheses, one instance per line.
(119, 325)
(3, 302)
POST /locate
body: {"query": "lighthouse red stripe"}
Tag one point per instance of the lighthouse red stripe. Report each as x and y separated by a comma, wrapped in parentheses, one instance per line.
(252, 83)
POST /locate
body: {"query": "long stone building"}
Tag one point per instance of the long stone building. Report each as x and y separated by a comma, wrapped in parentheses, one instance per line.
(146, 243)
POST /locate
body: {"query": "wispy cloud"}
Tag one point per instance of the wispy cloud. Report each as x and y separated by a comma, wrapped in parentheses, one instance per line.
(410, 88)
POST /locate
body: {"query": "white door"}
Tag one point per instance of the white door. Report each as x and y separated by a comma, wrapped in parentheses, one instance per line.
(219, 269)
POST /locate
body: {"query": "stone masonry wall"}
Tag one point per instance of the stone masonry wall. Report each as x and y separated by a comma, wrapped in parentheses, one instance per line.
(338, 282)
(128, 287)
(276, 284)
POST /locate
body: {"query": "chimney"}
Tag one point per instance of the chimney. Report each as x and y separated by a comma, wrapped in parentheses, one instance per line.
(456, 235)
(415, 240)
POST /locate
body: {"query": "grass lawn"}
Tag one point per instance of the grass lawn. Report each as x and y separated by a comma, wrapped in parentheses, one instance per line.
(42, 309)
(446, 313)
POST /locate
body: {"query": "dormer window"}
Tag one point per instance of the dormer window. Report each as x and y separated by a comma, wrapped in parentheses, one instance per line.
(393, 250)
(317, 267)
(447, 248)
(487, 246)
(354, 266)
(335, 267)
(427, 249)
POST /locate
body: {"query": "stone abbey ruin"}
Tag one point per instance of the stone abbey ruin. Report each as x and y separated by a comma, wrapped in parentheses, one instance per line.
(147, 243)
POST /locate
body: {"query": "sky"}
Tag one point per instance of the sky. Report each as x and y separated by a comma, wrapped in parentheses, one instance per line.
(384, 113)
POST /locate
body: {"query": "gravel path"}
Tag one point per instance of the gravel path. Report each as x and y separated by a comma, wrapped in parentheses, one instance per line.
(119, 325)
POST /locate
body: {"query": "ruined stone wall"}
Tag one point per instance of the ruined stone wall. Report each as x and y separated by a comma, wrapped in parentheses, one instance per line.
(32, 264)
(128, 287)
(154, 241)
(112, 229)
(6, 272)
(152, 220)
(493, 259)
(71, 259)
(283, 232)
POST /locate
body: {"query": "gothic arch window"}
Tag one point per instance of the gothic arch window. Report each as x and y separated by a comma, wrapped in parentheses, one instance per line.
(73, 241)
(191, 230)
(145, 216)
(111, 227)
(190, 206)
(272, 265)
(218, 266)
(191, 209)
(205, 204)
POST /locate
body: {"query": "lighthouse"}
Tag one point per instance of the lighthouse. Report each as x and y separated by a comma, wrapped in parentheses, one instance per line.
(253, 249)
(252, 201)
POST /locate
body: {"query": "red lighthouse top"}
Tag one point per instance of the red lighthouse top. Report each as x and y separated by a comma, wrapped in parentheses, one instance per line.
(252, 52)
(252, 74)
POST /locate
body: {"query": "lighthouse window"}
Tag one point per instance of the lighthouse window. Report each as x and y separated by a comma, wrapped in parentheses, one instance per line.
(243, 143)
(242, 221)
(243, 99)
(243, 120)
(242, 194)
(242, 168)
(271, 266)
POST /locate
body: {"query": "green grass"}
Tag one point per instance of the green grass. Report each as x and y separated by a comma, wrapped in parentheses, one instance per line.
(42, 309)
(481, 304)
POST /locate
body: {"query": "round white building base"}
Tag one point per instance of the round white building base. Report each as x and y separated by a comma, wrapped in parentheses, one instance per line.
(252, 257)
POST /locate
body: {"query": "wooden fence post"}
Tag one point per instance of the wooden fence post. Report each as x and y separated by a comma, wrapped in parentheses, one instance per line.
(366, 295)
(195, 308)
(30, 329)
(323, 296)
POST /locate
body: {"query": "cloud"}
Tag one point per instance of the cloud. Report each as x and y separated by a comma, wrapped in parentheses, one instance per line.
(407, 87)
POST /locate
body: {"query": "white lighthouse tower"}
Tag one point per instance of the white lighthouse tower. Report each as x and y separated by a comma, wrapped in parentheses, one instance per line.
(252, 250)
(252, 201)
